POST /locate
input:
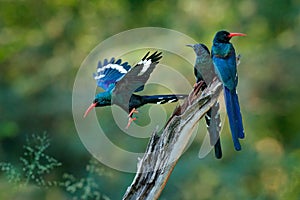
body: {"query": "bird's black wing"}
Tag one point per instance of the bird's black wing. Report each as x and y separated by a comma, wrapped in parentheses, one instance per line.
(135, 79)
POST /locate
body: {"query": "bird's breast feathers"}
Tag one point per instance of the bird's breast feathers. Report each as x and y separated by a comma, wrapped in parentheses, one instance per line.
(221, 50)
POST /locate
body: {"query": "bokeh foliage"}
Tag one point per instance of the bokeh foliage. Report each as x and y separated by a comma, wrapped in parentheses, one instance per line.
(42, 44)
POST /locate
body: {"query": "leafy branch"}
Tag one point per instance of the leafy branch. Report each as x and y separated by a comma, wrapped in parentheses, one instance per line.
(34, 161)
(87, 187)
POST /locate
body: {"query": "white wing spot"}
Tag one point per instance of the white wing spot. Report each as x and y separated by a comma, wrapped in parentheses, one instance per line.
(146, 64)
(99, 77)
(120, 68)
(159, 102)
(172, 100)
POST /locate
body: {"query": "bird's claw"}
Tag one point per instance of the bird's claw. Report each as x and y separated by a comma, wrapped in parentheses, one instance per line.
(130, 120)
(197, 87)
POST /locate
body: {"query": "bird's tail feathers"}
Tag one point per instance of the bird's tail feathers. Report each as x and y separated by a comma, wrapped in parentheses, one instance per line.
(213, 123)
(162, 99)
(238, 115)
(234, 116)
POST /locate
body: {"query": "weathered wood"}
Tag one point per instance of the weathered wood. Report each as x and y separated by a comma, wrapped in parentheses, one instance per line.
(163, 151)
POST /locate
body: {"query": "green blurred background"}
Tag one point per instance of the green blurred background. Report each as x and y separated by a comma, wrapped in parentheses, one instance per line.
(43, 43)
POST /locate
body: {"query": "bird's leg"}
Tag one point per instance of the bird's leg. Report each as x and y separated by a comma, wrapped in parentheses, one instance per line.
(133, 111)
(200, 83)
(131, 119)
(198, 86)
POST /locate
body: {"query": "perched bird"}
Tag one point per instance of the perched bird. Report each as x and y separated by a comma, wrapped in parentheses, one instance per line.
(120, 81)
(224, 60)
(204, 71)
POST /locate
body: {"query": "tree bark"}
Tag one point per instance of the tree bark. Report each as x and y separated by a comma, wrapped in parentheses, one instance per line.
(163, 151)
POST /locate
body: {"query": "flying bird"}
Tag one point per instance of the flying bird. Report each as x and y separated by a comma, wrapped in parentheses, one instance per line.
(120, 82)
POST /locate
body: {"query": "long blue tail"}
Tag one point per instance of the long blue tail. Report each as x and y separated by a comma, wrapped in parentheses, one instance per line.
(234, 116)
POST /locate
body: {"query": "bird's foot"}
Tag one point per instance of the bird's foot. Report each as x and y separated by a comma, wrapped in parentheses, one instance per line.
(133, 111)
(197, 87)
(199, 84)
(130, 120)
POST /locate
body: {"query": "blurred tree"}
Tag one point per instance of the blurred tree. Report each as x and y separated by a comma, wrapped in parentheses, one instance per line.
(42, 44)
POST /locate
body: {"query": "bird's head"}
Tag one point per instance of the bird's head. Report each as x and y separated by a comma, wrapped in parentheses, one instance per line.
(200, 49)
(225, 36)
(101, 99)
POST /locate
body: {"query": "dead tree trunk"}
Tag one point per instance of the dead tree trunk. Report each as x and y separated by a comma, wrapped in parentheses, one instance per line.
(163, 151)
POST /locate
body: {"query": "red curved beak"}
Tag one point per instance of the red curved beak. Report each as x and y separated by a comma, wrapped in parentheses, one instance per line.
(236, 34)
(93, 105)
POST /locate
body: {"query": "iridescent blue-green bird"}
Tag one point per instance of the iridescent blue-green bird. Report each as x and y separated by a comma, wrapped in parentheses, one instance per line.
(224, 60)
(120, 82)
(204, 71)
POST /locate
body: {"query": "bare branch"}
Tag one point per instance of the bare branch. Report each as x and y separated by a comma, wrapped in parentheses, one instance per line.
(163, 151)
